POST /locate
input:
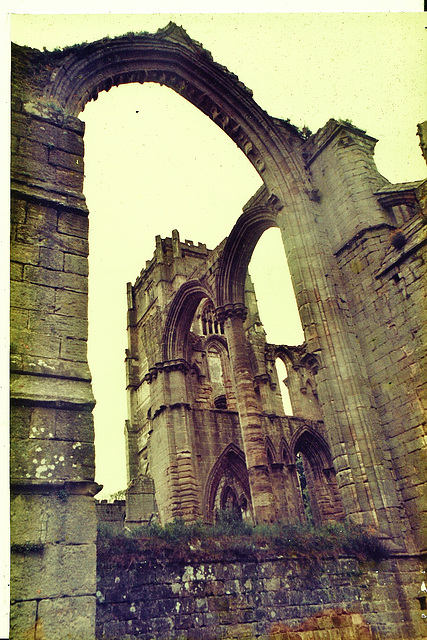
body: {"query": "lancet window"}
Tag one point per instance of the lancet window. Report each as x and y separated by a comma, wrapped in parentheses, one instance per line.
(317, 480)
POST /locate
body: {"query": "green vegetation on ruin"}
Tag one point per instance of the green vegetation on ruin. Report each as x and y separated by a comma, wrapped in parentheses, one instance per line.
(233, 539)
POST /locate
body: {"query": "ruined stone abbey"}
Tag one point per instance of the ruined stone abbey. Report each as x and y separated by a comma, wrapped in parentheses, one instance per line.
(207, 430)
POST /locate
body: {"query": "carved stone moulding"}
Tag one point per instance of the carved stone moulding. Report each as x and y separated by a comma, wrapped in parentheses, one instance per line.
(166, 367)
(231, 310)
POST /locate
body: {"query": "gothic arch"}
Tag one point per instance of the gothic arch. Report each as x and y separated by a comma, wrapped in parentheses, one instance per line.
(313, 445)
(171, 58)
(216, 349)
(217, 340)
(301, 369)
(310, 362)
(284, 354)
(237, 253)
(296, 356)
(271, 451)
(319, 474)
(232, 462)
(180, 317)
(285, 452)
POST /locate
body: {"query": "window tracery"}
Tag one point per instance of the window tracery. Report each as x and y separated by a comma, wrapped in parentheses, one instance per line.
(210, 324)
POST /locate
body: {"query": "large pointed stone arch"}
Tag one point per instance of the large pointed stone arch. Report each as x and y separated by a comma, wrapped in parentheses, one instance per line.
(50, 218)
(232, 461)
(313, 444)
(171, 58)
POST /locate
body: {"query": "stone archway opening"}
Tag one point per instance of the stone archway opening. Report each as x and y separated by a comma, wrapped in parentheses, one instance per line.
(317, 480)
(270, 275)
(278, 311)
(144, 176)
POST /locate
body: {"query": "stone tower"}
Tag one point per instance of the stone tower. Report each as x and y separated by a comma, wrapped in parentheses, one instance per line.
(201, 384)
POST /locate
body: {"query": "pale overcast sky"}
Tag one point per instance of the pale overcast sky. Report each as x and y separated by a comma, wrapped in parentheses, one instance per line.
(154, 162)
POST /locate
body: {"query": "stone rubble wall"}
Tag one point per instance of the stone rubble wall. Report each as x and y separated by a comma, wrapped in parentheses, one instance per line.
(274, 599)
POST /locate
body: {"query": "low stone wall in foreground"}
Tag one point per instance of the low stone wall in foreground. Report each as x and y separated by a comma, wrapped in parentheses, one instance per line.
(274, 599)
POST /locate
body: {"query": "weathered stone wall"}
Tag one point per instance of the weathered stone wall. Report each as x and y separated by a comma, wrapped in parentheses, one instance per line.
(327, 198)
(393, 334)
(383, 293)
(52, 440)
(111, 514)
(337, 599)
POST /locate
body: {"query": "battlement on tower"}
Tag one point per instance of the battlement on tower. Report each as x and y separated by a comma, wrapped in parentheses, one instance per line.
(170, 249)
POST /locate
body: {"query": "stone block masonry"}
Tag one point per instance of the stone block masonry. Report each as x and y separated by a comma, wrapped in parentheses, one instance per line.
(52, 440)
(206, 429)
(273, 599)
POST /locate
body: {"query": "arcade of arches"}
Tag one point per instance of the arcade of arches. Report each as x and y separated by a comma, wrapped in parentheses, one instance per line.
(206, 429)
(184, 394)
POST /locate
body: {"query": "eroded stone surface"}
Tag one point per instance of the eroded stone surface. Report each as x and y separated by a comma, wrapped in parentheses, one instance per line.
(356, 251)
(271, 600)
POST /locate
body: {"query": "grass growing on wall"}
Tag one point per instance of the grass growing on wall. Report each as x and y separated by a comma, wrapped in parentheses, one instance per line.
(233, 539)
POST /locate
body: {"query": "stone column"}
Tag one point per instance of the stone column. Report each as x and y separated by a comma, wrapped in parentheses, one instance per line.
(263, 501)
(358, 445)
(180, 421)
(171, 446)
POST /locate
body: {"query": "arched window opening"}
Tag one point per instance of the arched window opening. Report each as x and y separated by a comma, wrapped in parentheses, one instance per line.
(144, 177)
(322, 502)
(283, 388)
(273, 287)
(228, 488)
(276, 305)
(210, 355)
(300, 466)
(219, 374)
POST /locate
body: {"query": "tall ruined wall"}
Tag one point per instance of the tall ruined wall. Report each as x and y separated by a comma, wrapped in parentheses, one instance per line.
(273, 599)
(52, 450)
(384, 292)
(394, 338)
